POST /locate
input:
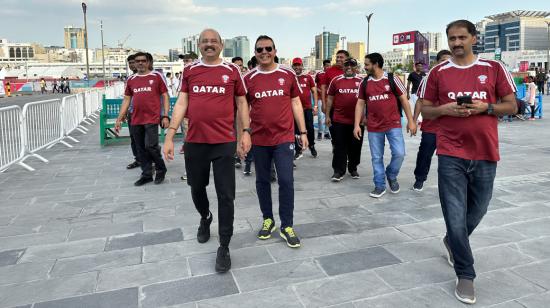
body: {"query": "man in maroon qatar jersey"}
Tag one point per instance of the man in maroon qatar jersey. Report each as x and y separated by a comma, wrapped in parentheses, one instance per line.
(466, 94)
(144, 90)
(341, 101)
(307, 85)
(209, 90)
(322, 130)
(274, 97)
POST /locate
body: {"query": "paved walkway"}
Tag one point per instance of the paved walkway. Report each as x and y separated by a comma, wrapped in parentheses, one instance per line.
(77, 233)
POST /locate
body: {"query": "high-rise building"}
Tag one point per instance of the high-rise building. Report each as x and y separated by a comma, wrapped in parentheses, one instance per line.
(74, 38)
(14, 52)
(517, 31)
(237, 47)
(190, 44)
(436, 41)
(325, 47)
(173, 54)
(229, 48)
(357, 50)
(479, 47)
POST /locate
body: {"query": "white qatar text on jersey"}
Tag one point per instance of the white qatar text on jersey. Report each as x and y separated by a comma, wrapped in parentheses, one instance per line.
(269, 93)
(208, 89)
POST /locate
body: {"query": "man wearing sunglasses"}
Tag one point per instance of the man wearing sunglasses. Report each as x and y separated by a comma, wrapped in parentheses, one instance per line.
(209, 90)
(274, 96)
(307, 85)
(341, 101)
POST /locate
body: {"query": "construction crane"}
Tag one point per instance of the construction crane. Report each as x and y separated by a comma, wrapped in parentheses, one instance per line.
(121, 43)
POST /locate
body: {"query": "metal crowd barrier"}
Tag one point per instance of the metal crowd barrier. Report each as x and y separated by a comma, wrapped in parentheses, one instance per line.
(43, 124)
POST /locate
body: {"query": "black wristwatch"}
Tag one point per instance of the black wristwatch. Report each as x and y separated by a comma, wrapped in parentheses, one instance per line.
(247, 130)
(490, 109)
(165, 117)
(303, 133)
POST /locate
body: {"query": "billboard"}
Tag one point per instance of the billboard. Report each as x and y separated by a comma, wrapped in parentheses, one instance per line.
(404, 38)
(421, 50)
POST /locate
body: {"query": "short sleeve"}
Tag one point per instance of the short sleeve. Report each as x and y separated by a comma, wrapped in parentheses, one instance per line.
(323, 79)
(361, 94)
(420, 86)
(332, 89)
(504, 84)
(128, 90)
(162, 85)
(400, 88)
(240, 88)
(295, 90)
(409, 78)
(428, 89)
(311, 81)
(184, 81)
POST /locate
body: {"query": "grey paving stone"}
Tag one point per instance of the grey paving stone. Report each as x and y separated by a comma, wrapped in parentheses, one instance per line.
(279, 297)
(430, 296)
(114, 208)
(357, 260)
(538, 273)
(63, 250)
(46, 290)
(499, 257)
(535, 301)
(10, 257)
(144, 239)
(278, 274)
(311, 247)
(417, 274)
(139, 216)
(343, 288)
(537, 248)
(494, 236)
(127, 298)
(417, 250)
(244, 257)
(23, 241)
(142, 274)
(424, 229)
(381, 220)
(371, 238)
(329, 227)
(95, 262)
(529, 212)
(176, 250)
(533, 228)
(5, 220)
(427, 213)
(188, 290)
(498, 287)
(106, 230)
(24, 272)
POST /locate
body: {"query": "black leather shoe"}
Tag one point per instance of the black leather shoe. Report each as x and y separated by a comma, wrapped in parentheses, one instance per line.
(223, 260)
(159, 177)
(203, 233)
(133, 165)
(143, 181)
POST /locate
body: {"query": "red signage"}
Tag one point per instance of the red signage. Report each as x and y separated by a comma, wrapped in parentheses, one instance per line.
(523, 66)
(404, 38)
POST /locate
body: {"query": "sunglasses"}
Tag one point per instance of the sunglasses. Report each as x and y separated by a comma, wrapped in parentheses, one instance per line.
(140, 61)
(261, 49)
(352, 62)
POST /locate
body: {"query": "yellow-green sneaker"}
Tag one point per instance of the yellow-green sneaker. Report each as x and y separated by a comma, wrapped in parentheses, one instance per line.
(290, 237)
(267, 227)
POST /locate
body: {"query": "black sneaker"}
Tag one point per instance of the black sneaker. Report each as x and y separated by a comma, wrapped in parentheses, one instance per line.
(143, 180)
(354, 174)
(203, 233)
(267, 227)
(394, 186)
(418, 185)
(223, 260)
(298, 155)
(465, 291)
(290, 237)
(313, 151)
(319, 136)
(247, 168)
(133, 165)
(450, 258)
(238, 163)
(294, 165)
(159, 177)
(327, 136)
(377, 192)
(337, 177)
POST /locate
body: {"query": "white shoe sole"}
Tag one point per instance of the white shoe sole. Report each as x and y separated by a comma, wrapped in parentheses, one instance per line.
(464, 300)
(447, 253)
(287, 243)
(418, 190)
(268, 236)
(377, 196)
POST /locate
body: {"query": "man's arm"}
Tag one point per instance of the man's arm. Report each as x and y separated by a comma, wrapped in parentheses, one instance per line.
(411, 123)
(506, 106)
(359, 112)
(330, 100)
(324, 98)
(417, 110)
(315, 97)
(298, 112)
(122, 112)
(243, 116)
(408, 88)
(166, 105)
(180, 109)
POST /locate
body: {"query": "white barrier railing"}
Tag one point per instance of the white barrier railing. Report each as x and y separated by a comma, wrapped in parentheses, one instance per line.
(43, 124)
(12, 149)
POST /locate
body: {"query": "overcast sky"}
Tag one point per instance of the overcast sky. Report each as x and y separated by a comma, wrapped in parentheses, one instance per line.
(157, 25)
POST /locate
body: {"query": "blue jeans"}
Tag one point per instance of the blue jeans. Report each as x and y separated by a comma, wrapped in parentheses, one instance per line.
(321, 127)
(283, 156)
(424, 156)
(397, 147)
(465, 190)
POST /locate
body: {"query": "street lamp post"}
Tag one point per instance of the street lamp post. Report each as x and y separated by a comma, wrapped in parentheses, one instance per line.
(86, 44)
(368, 31)
(102, 52)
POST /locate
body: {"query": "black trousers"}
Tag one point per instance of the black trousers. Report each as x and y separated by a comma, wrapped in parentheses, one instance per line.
(424, 156)
(308, 117)
(132, 141)
(346, 149)
(198, 158)
(147, 145)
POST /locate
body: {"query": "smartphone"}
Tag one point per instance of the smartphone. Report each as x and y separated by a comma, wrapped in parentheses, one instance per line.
(466, 99)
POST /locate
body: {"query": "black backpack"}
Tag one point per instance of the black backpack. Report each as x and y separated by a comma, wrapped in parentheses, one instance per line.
(393, 87)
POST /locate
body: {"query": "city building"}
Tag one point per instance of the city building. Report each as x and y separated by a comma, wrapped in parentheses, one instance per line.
(173, 54)
(74, 38)
(14, 52)
(325, 47)
(436, 41)
(356, 50)
(190, 44)
(237, 47)
(479, 47)
(398, 57)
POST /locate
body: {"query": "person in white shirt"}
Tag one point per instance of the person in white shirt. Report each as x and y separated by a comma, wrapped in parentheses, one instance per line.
(176, 84)
(531, 95)
(169, 82)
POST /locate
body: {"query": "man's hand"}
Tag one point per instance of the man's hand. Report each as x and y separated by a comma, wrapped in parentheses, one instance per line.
(411, 128)
(165, 123)
(357, 132)
(328, 122)
(245, 145)
(477, 107)
(168, 149)
(408, 96)
(118, 124)
(315, 110)
(455, 110)
(305, 142)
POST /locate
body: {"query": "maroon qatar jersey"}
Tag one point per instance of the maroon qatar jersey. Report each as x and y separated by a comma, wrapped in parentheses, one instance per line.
(474, 137)
(146, 91)
(344, 90)
(211, 90)
(318, 79)
(428, 126)
(383, 113)
(306, 82)
(331, 73)
(269, 95)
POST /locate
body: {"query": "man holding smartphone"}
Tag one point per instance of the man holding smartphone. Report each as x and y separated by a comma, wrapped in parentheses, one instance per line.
(467, 141)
